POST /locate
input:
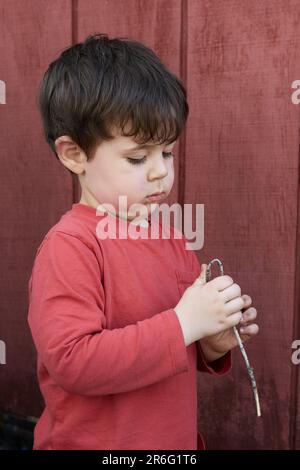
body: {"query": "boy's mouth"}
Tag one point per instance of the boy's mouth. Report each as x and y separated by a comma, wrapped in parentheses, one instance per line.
(156, 196)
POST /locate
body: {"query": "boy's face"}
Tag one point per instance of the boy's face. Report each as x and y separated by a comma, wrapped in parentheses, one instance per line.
(118, 169)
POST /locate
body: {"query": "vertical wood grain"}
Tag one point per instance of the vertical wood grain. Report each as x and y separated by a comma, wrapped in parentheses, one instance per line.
(35, 188)
(242, 144)
(239, 156)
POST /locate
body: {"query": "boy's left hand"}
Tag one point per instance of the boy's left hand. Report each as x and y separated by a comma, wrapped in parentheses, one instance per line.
(222, 342)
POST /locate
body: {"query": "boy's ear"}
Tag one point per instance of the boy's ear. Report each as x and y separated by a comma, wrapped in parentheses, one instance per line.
(70, 154)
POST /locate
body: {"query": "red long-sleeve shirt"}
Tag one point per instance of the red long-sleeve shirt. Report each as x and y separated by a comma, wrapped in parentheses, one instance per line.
(112, 364)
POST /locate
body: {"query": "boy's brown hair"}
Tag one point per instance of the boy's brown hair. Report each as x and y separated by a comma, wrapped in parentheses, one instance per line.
(104, 83)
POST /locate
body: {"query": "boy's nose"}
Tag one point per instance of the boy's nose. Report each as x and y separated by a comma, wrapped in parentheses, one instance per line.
(158, 169)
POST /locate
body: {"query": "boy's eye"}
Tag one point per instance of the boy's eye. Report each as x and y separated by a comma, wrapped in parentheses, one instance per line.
(137, 161)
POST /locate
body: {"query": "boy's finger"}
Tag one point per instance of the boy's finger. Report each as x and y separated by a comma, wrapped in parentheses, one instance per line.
(249, 315)
(247, 299)
(250, 330)
(201, 279)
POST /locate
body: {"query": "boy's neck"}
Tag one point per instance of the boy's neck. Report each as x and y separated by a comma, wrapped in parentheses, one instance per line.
(143, 221)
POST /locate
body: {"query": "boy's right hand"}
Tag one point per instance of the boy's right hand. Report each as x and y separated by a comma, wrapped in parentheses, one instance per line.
(208, 308)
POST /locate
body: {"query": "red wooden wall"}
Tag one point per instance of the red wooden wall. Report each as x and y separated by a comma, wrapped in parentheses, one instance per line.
(239, 157)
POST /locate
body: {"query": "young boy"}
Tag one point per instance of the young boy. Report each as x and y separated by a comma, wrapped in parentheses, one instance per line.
(122, 324)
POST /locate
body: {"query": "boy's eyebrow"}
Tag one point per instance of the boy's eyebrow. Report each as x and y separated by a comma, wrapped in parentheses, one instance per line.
(139, 147)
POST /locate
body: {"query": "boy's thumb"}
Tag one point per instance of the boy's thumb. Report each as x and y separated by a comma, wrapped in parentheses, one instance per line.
(201, 279)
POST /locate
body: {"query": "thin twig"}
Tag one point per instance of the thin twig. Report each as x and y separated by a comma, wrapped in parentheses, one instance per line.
(240, 343)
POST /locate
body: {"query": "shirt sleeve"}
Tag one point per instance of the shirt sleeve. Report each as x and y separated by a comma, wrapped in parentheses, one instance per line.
(222, 365)
(68, 326)
(218, 367)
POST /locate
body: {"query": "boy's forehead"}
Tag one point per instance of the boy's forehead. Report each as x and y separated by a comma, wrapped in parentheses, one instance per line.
(126, 143)
(130, 144)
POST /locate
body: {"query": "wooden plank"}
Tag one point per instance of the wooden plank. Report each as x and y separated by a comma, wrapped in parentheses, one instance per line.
(157, 24)
(242, 144)
(35, 188)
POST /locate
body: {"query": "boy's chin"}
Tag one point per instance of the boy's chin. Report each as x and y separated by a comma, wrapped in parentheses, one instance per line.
(145, 213)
